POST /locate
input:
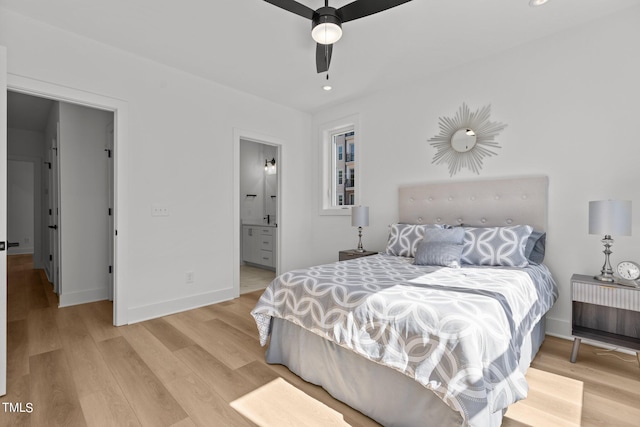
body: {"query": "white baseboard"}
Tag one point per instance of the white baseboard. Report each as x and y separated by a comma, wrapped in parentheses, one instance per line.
(152, 311)
(83, 297)
(24, 250)
(558, 327)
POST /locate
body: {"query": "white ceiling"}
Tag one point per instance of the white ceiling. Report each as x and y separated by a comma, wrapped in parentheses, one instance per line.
(258, 48)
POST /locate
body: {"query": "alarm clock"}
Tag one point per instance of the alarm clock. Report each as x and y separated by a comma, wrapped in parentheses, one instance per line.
(629, 273)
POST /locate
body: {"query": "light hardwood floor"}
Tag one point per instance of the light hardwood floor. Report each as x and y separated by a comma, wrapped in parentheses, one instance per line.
(204, 367)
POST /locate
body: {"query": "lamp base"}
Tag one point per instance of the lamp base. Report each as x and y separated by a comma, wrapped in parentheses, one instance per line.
(606, 274)
(606, 277)
(360, 248)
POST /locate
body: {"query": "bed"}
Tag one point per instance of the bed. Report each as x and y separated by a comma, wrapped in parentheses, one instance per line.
(439, 329)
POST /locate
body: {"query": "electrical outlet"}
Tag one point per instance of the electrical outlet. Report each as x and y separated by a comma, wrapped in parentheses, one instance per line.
(159, 210)
(190, 277)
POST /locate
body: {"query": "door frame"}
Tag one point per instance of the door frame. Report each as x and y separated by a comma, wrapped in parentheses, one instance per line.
(119, 108)
(238, 135)
(3, 222)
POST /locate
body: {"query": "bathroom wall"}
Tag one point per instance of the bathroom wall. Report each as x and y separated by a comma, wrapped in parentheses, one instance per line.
(256, 186)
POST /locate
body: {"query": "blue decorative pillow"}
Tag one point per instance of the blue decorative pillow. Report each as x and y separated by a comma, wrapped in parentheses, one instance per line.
(536, 245)
(499, 246)
(447, 235)
(438, 253)
(404, 238)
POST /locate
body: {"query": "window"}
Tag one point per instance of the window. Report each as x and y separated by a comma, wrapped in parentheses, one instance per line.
(340, 166)
(343, 192)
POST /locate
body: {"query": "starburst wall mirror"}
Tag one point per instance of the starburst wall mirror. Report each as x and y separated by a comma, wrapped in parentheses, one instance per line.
(466, 139)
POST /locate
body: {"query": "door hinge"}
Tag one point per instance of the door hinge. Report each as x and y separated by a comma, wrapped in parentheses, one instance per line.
(50, 257)
(110, 269)
(108, 152)
(109, 211)
(50, 211)
(48, 164)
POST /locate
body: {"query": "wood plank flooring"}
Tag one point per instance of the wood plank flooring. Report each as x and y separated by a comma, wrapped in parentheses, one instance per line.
(204, 367)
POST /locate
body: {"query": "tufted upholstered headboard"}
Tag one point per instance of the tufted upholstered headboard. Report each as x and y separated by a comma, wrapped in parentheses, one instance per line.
(483, 203)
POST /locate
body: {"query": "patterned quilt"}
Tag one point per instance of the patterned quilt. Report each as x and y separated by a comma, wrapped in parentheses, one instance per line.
(458, 332)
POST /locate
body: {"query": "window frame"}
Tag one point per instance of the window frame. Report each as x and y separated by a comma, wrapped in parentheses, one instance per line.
(328, 176)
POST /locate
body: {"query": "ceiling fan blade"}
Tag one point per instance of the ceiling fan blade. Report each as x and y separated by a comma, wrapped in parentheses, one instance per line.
(323, 57)
(362, 8)
(293, 7)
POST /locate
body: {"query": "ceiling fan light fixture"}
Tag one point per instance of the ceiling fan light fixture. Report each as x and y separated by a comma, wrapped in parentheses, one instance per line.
(326, 28)
(535, 3)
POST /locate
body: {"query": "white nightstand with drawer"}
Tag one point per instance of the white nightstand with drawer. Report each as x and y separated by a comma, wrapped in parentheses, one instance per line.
(605, 312)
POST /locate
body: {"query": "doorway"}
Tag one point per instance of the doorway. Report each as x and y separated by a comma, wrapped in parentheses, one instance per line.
(74, 243)
(257, 210)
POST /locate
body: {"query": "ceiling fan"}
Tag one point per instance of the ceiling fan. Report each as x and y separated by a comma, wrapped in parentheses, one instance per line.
(326, 22)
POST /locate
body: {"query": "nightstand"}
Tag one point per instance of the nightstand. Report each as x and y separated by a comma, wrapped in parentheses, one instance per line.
(352, 254)
(604, 312)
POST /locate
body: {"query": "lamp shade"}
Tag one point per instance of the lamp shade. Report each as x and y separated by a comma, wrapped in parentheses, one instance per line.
(610, 217)
(360, 216)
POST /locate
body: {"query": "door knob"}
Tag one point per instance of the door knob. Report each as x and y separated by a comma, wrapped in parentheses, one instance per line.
(55, 227)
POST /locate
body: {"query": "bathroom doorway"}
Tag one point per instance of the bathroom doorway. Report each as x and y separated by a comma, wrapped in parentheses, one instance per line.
(258, 166)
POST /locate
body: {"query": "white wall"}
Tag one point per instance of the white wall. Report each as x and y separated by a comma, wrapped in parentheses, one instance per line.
(571, 105)
(253, 180)
(20, 206)
(25, 143)
(179, 150)
(23, 147)
(83, 204)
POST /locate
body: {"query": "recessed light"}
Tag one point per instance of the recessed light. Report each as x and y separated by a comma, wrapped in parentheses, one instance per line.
(535, 3)
(327, 87)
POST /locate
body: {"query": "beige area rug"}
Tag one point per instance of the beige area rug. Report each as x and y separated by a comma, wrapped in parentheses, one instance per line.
(553, 400)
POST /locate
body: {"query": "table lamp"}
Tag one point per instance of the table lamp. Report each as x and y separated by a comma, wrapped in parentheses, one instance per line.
(609, 217)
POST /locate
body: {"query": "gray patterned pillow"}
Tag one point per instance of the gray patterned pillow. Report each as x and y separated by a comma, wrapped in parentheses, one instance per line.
(439, 253)
(404, 238)
(501, 246)
(447, 235)
(536, 244)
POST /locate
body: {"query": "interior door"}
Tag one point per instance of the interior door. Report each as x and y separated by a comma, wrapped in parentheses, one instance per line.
(3, 221)
(110, 198)
(50, 208)
(54, 231)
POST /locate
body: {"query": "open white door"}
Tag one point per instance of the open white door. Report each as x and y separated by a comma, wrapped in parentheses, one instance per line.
(54, 206)
(3, 221)
(110, 196)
